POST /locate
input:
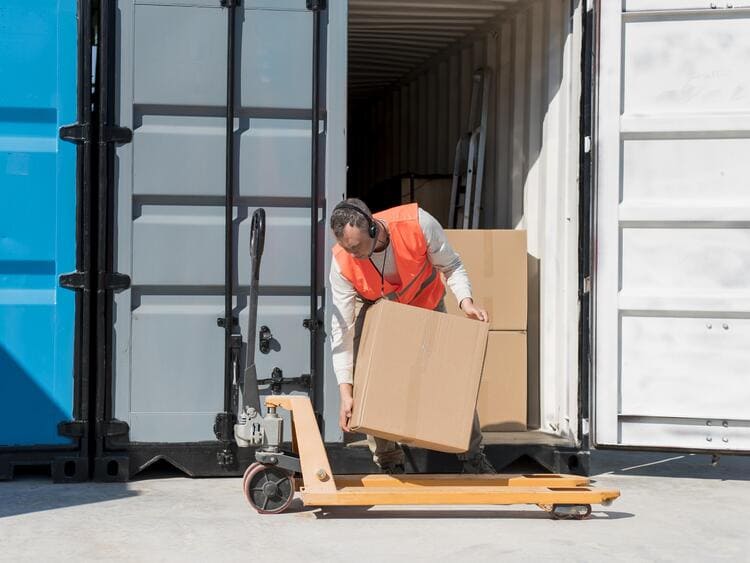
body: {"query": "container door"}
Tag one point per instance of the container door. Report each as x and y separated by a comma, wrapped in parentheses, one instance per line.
(168, 351)
(673, 237)
(38, 66)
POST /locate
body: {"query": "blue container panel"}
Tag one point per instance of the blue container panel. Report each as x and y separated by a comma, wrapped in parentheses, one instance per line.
(38, 66)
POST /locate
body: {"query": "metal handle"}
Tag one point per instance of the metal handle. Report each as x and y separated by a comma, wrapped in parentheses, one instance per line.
(257, 239)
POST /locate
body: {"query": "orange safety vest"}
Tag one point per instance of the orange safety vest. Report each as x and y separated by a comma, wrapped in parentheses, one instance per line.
(421, 286)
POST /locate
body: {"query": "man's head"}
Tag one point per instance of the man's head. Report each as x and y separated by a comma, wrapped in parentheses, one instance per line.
(354, 227)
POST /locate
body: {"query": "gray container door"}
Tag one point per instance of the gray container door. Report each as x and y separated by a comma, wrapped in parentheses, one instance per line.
(168, 352)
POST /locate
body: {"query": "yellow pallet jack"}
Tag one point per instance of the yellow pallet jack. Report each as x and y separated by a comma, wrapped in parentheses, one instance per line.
(269, 483)
(269, 487)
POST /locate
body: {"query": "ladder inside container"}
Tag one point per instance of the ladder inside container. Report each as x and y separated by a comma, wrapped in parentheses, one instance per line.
(468, 163)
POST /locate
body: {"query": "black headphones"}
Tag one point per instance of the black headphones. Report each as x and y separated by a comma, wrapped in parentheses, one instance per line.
(372, 229)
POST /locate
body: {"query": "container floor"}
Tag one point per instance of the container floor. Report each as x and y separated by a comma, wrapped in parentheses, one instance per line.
(529, 437)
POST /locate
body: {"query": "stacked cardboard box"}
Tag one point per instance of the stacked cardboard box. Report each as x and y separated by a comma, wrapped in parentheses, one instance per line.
(496, 261)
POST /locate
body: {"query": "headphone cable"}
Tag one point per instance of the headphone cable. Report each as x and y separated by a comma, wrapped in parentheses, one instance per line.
(385, 257)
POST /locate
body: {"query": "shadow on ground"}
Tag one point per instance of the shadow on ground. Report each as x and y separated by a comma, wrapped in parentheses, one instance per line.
(531, 513)
(683, 466)
(29, 494)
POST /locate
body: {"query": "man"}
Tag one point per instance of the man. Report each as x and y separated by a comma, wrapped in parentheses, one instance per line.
(395, 254)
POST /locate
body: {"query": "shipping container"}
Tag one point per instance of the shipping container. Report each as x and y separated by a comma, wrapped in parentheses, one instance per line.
(615, 136)
(45, 62)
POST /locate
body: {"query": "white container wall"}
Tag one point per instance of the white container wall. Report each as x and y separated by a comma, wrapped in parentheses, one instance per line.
(531, 181)
(673, 245)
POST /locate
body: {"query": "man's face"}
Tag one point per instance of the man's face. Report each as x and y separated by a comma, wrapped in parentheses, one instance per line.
(356, 242)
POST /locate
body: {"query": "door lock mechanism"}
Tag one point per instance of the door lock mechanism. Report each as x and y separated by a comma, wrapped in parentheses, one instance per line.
(277, 380)
(264, 340)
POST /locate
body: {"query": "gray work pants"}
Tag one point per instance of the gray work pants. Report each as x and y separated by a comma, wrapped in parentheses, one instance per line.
(385, 452)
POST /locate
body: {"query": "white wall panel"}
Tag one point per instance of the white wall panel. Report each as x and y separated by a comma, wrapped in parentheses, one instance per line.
(685, 367)
(691, 64)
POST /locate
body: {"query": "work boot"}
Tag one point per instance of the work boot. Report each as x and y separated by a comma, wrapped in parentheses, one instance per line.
(478, 465)
(393, 469)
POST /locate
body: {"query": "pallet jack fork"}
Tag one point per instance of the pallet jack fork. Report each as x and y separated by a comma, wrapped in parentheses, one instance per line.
(269, 487)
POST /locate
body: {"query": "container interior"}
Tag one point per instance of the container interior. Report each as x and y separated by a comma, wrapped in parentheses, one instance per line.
(410, 66)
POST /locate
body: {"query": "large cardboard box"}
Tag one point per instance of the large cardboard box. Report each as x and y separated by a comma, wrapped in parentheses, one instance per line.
(496, 261)
(417, 376)
(502, 393)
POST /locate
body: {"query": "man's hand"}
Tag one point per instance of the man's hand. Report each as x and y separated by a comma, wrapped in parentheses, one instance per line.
(346, 391)
(474, 312)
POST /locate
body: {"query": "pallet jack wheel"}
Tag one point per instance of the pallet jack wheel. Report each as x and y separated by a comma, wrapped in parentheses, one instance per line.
(571, 511)
(247, 473)
(269, 489)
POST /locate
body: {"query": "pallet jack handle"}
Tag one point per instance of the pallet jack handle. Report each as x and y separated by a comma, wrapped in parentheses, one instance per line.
(249, 396)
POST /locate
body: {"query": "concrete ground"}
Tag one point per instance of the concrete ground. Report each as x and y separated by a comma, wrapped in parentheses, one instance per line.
(672, 508)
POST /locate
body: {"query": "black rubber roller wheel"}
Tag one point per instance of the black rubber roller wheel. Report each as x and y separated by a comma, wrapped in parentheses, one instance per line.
(571, 511)
(268, 489)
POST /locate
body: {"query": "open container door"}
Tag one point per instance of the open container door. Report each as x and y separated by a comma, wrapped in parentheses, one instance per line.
(673, 227)
(167, 376)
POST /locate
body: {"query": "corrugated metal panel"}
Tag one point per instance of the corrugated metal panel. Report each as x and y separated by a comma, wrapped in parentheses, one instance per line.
(388, 38)
(533, 49)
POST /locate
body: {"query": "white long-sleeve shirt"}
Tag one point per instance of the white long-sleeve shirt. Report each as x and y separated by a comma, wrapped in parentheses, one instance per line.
(439, 252)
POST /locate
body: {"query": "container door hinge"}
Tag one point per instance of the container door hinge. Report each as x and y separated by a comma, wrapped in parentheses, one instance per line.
(313, 325)
(222, 322)
(75, 280)
(72, 429)
(83, 133)
(224, 426)
(81, 280)
(115, 281)
(76, 133)
(587, 285)
(116, 134)
(316, 5)
(230, 3)
(113, 428)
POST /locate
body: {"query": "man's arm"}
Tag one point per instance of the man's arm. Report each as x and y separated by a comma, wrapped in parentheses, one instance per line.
(342, 340)
(447, 261)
